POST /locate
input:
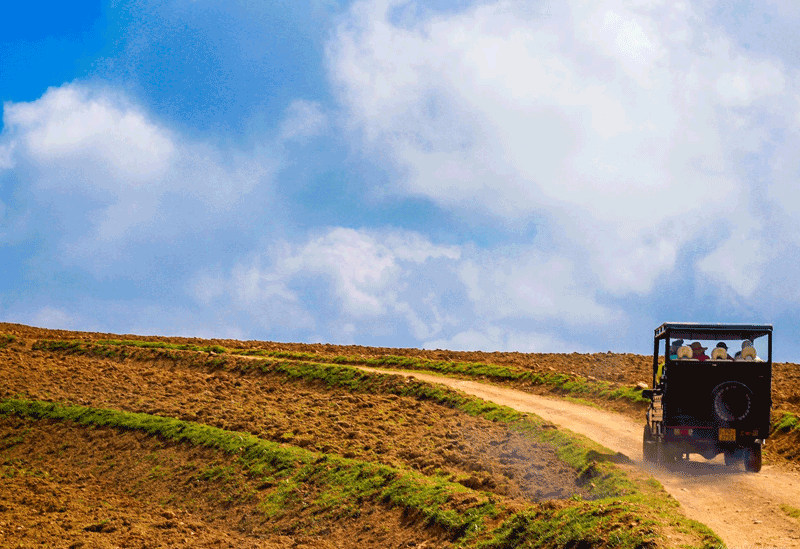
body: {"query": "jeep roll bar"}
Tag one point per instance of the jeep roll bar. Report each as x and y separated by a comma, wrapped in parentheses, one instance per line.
(692, 330)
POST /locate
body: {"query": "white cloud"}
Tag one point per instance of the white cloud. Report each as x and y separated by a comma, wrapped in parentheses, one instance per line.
(97, 137)
(739, 263)
(304, 119)
(618, 125)
(6, 160)
(494, 338)
(56, 319)
(363, 270)
(749, 81)
(113, 175)
(345, 282)
(358, 275)
(530, 285)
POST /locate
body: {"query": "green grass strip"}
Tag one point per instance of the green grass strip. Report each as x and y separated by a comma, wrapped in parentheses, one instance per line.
(492, 372)
(343, 484)
(163, 345)
(793, 512)
(79, 347)
(592, 461)
(573, 385)
(343, 481)
(785, 422)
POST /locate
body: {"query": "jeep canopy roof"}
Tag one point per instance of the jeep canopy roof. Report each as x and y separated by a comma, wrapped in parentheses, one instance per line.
(690, 330)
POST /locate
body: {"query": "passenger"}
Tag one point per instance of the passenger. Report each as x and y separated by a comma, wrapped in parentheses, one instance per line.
(744, 354)
(720, 352)
(673, 349)
(699, 352)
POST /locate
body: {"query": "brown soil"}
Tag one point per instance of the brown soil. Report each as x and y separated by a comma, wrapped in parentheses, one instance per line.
(68, 491)
(744, 509)
(622, 369)
(68, 486)
(397, 431)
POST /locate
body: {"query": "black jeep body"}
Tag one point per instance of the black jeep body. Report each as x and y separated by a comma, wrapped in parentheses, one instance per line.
(709, 406)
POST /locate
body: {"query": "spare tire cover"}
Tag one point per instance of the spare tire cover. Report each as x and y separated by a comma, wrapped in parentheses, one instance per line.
(732, 401)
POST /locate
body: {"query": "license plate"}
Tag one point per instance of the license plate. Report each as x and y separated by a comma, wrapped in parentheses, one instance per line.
(727, 435)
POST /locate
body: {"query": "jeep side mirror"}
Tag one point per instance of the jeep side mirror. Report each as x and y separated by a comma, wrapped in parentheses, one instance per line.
(648, 394)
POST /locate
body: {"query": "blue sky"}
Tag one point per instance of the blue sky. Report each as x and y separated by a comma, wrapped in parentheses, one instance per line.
(521, 176)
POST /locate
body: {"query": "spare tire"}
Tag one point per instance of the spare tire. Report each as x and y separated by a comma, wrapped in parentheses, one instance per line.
(732, 401)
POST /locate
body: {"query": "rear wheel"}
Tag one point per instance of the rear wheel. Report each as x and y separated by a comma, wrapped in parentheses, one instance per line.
(730, 458)
(664, 453)
(671, 453)
(649, 446)
(752, 458)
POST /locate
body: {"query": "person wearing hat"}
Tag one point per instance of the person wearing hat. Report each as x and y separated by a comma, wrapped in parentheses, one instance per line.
(673, 355)
(673, 349)
(699, 352)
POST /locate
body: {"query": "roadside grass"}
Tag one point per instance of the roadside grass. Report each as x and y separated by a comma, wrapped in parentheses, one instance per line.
(593, 462)
(596, 465)
(558, 528)
(339, 487)
(793, 512)
(785, 422)
(571, 385)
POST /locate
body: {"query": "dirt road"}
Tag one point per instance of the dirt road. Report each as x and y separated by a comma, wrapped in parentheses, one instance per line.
(742, 508)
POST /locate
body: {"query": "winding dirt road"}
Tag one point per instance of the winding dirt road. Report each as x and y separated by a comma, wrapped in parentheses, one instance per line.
(742, 508)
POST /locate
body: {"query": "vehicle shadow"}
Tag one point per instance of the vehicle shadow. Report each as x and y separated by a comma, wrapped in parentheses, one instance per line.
(700, 468)
(696, 467)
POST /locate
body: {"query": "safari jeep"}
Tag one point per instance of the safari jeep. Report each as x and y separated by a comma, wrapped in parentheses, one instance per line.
(712, 393)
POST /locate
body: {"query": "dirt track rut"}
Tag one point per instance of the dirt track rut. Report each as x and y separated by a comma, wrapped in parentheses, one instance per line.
(742, 508)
